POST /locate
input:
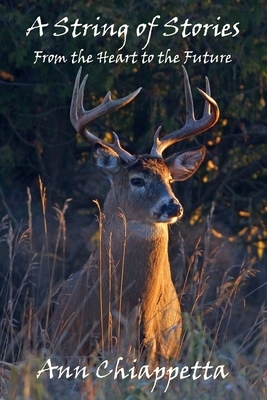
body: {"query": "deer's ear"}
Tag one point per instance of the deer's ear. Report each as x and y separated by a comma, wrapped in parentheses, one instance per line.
(106, 160)
(184, 164)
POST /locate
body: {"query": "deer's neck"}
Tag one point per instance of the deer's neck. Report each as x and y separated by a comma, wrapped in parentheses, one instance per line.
(137, 243)
(139, 253)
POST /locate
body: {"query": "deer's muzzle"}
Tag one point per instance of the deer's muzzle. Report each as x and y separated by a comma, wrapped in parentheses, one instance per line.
(172, 209)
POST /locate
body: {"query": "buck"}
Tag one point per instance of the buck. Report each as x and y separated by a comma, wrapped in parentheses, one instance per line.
(128, 279)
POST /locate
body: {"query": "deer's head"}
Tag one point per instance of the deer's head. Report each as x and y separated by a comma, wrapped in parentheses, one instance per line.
(141, 185)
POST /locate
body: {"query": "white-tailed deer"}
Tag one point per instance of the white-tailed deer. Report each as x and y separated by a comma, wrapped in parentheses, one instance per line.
(129, 274)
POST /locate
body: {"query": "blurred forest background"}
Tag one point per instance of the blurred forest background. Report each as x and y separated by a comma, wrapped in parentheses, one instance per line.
(39, 144)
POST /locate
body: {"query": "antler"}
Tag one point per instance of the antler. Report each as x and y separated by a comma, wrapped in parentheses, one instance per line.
(192, 126)
(81, 118)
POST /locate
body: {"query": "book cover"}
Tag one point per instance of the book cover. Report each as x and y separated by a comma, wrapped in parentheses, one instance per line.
(156, 191)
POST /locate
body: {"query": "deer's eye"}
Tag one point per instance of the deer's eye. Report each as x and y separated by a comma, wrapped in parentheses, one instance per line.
(137, 182)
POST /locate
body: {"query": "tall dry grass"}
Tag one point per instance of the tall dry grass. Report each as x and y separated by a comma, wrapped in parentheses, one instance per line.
(25, 343)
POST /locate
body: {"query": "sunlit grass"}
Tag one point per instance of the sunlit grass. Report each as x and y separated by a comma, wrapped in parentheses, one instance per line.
(120, 373)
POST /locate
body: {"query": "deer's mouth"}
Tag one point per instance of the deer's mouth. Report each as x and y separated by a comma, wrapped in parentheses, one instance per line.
(169, 212)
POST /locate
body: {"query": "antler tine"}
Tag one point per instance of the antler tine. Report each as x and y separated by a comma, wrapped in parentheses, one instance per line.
(80, 118)
(73, 106)
(208, 92)
(192, 126)
(189, 103)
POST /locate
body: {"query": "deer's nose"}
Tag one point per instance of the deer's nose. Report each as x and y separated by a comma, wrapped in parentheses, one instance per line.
(172, 209)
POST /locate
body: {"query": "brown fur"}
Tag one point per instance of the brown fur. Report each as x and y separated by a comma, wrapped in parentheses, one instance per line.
(131, 243)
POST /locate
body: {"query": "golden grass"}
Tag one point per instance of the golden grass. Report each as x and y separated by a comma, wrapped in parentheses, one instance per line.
(121, 373)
